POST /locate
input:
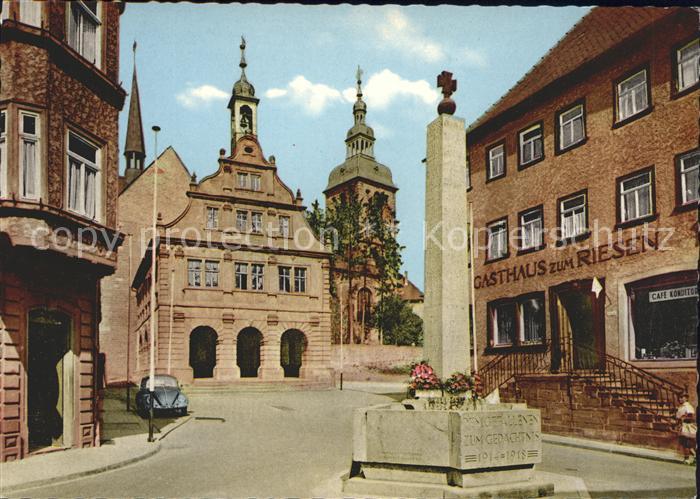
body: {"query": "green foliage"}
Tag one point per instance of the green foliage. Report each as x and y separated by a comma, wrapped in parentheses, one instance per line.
(399, 324)
(316, 218)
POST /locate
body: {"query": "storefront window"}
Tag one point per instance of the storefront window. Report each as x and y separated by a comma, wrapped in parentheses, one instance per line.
(664, 316)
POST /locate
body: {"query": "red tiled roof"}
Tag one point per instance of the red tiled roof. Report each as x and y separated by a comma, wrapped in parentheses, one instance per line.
(600, 30)
(410, 292)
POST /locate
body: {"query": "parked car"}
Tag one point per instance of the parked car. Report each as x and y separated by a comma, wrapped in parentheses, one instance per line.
(167, 396)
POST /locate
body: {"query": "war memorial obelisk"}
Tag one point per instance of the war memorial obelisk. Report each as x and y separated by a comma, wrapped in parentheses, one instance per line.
(446, 313)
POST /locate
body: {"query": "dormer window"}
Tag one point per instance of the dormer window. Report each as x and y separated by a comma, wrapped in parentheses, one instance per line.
(83, 32)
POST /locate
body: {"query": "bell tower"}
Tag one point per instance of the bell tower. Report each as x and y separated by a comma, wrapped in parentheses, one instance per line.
(243, 105)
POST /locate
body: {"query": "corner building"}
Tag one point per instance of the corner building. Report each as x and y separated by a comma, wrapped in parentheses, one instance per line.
(242, 284)
(584, 189)
(59, 104)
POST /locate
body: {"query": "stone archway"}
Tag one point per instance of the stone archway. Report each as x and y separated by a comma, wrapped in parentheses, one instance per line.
(49, 377)
(248, 352)
(292, 349)
(203, 352)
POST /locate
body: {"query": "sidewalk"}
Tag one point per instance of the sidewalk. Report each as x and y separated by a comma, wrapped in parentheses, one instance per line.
(625, 450)
(74, 463)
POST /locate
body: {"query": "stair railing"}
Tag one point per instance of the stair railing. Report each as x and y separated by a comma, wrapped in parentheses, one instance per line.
(508, 365)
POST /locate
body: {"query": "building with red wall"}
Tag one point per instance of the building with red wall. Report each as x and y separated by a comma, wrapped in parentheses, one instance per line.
(59, 103)
(584, 191)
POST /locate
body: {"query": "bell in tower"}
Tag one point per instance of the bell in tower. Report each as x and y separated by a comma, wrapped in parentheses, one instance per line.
(243, 104)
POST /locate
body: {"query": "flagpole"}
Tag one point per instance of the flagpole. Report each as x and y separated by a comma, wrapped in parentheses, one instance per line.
(152, 363)
(170, 334)
(341, 346)
(472, 300)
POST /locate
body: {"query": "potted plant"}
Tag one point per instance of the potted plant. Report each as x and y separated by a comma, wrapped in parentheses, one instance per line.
(424, 382)
(462, 387)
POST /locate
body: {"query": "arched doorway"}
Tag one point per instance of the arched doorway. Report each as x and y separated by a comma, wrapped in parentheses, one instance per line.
(49, 384)
(292, 348)
(248, 352)
(203, 352)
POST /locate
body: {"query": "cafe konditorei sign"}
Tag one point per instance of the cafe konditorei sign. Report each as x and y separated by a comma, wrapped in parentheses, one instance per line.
(640, 243)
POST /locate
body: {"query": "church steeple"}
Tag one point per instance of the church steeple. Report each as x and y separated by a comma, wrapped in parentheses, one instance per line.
(134, 149)
(243, 104)
(360, 138)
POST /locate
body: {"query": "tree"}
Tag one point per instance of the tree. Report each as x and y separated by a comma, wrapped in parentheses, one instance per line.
(316, 219)
(401, 326)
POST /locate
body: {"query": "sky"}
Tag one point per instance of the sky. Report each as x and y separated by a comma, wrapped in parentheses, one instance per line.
(302, 61)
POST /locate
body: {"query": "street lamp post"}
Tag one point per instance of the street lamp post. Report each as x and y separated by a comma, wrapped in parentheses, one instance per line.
(152, 359)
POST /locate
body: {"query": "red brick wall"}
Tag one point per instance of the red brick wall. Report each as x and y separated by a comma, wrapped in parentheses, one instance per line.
(670, 128)
(572, 407)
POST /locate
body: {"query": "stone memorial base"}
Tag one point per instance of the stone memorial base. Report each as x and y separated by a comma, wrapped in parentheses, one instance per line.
(447, 447)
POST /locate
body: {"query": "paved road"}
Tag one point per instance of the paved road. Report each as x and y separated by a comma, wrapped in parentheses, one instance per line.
(297, 444)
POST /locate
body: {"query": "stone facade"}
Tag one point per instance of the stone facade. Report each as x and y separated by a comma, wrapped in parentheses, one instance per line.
(273, 328)
(612, 150)
(55, 244)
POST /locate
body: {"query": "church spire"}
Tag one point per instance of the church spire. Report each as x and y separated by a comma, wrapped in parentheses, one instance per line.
(134, 149)
(360, 138)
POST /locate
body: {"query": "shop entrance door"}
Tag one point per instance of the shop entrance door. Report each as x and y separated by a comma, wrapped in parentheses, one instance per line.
(47, 346)
(578, 327)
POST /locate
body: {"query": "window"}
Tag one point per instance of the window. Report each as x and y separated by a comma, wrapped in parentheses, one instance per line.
(496, 161)
(572, 216)
(3, 153)
(211, 274)
(84, 30)
(530, 141)
(241, 276)
(688, 176)
(531, 319)
(284, 226)
(4, 10)
(257, 274)
(502, 322)
(688, 65)
(256, 222)
(242, 180)
(571, 126)
(531, 229)
(299, 280)
(632, 95)
(30, 12)
(285, 279)
(255, 182)
(635, 196)
(83, 171)
(194, 273)
(242, 221)
(664, 316)
(212, 218)
(497, 240)
(29, 155)
(517, 321)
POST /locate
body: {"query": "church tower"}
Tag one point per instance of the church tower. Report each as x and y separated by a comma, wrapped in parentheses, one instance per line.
(243, 105)
(134, 149)
(362, 174)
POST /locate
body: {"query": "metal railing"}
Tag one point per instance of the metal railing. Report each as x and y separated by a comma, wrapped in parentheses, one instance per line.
(506, 366)
(637, 387)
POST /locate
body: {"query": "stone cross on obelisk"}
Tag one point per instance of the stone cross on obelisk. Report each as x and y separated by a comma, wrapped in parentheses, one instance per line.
(446, 312)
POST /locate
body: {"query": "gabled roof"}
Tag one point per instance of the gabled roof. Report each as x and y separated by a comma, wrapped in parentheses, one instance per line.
(410, 292)
(167, 153)
(599, 31)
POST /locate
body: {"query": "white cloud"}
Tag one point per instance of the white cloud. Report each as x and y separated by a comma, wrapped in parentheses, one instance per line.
(313, 98)
(379, 91)
(383, 87)
(473, 57)
(398, 31)
(199, 96)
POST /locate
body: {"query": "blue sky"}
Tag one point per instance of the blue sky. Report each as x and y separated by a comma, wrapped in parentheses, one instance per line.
(302, 61)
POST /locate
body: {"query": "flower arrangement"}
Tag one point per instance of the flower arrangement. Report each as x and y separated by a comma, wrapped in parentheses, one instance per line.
(459, 383)
(424, 378)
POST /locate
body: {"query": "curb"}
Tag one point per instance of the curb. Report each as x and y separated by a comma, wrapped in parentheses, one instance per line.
(625, 450)
(80, 474)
